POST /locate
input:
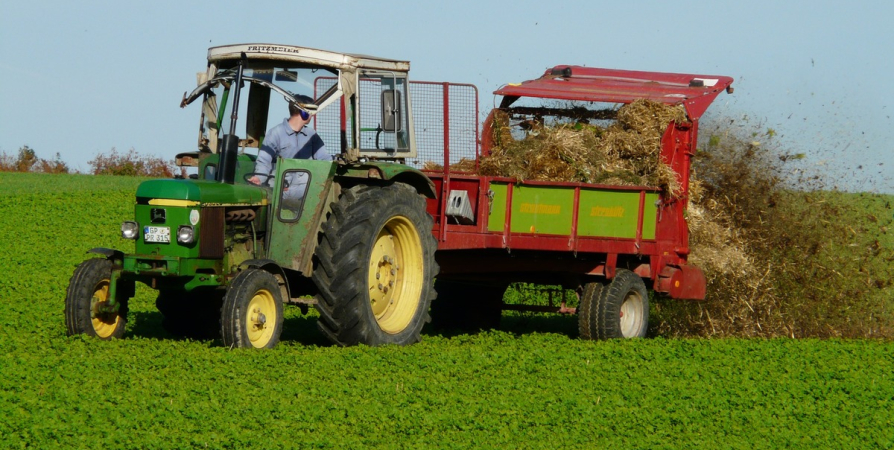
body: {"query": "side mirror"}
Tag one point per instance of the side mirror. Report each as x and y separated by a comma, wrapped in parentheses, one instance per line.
(391, 110)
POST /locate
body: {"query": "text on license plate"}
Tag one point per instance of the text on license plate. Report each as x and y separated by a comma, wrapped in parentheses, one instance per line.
(157, 234)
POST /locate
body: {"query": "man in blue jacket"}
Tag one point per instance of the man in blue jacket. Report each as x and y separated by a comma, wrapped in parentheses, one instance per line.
(291, 139)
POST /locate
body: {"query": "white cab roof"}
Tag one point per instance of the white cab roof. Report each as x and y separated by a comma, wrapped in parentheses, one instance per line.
(341, 61)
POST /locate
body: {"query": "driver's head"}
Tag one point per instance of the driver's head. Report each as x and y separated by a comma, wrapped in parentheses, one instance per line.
(295, 111)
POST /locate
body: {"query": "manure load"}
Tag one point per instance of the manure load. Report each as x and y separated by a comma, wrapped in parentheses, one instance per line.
(625, 153)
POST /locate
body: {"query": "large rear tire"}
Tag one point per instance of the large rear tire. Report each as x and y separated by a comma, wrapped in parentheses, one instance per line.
(375, 267)
(251, 316)
(88, 291)
(619, 309)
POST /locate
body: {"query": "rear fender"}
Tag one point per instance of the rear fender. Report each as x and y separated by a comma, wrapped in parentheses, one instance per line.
(390, 172)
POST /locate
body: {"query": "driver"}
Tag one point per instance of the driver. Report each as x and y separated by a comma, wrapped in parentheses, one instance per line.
(291, 139)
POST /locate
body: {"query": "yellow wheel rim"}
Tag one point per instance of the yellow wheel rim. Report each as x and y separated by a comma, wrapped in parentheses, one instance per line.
(104, 324)
(260, 318)
(396, 274)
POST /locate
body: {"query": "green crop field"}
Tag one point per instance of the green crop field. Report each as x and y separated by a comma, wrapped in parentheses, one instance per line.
(531, 385)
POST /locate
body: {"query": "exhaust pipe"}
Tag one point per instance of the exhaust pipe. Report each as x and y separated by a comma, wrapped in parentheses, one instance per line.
(229, 147)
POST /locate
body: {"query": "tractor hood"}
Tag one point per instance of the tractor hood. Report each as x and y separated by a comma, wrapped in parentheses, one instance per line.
(199, 192)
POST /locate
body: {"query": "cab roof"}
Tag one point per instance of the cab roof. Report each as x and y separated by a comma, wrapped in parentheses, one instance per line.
(694, 92)
(304, 55)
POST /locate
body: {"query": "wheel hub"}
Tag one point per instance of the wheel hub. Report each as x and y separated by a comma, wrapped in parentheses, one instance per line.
(385, 273)
(631, 314)
(259, 318)
(260, 308)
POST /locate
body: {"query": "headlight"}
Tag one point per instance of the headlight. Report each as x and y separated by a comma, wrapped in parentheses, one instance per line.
(186, 234)
(129, 230)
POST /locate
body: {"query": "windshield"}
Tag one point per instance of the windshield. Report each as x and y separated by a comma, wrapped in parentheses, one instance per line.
(264, 100)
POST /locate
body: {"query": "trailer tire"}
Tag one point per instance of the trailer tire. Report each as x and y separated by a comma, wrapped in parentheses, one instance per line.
(375, 267)
(88, 289)
(586, 313)
(467, 307)
(193, 315)
(619, 309)
(251, 316)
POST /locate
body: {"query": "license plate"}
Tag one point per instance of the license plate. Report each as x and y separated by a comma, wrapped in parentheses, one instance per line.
(157, 234)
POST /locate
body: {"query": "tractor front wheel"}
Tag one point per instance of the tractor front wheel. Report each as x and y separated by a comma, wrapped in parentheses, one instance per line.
(619, 309)
(251, 316)
(375, 267)
(86, 299)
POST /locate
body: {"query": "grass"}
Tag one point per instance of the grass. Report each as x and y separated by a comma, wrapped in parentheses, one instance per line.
(530, 385)
(493, 390)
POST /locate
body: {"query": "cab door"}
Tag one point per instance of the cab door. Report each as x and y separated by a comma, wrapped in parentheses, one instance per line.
(302, 191)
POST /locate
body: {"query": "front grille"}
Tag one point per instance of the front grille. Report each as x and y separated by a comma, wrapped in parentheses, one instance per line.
(211, 233)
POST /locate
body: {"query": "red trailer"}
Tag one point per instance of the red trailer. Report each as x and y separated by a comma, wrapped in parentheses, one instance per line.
(608, 243)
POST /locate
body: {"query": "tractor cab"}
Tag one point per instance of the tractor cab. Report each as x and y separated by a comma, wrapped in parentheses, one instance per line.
(358, 104)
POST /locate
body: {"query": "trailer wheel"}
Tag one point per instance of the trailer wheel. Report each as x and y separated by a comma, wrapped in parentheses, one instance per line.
(194, 315)
(619, 309)
(375, 267)
(251, 316)
(467, 307)
(586, 314)
(88, 290)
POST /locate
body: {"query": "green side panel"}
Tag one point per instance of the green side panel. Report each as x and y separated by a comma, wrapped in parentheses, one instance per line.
(614, 214)
(542, 210)
(498, 208)
(650, 215)
(174, 217)
(206, 192)
(290, 232)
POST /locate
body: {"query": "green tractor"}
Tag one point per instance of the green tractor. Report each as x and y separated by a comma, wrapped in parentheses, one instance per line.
(225, 255)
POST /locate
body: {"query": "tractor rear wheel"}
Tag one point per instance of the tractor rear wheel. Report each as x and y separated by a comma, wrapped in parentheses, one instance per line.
(619, 309)
(375, 267)
(251, 316)
(467, 307)
(87, 294)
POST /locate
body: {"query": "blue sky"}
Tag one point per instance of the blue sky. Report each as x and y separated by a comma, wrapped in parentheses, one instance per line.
(80, 78)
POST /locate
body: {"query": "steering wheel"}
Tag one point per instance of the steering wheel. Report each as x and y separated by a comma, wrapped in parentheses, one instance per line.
(266, 177)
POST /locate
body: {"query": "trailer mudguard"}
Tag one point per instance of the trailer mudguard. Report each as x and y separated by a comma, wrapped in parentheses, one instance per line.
(683, 282)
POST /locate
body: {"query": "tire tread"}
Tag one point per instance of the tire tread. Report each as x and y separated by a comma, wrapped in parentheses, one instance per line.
(339, 271)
